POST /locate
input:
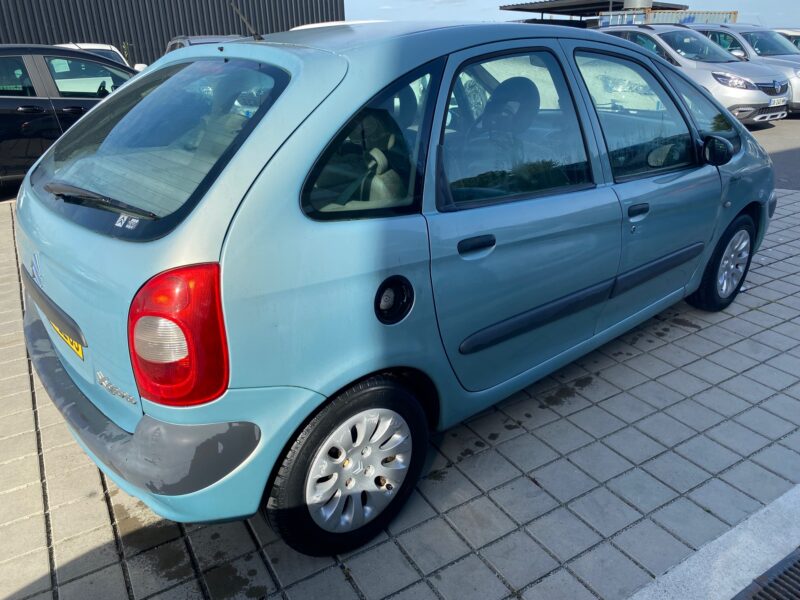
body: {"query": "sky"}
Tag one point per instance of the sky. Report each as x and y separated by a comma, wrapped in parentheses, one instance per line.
(770, 13)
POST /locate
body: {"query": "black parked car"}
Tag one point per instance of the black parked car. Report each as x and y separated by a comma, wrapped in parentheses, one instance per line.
(43, 91)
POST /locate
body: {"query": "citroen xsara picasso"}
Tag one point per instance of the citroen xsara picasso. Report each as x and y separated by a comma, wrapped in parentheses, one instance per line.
(259, 273)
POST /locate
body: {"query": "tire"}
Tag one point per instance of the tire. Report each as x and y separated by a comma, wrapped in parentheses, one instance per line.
(322, 527)
(709, 295)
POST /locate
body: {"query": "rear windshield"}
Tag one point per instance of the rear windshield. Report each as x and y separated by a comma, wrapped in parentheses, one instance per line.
(155, 146)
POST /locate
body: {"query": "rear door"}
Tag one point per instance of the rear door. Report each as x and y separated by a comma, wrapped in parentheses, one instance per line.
(670, 199)
(77, 84)
(27, 122)
(524, 235)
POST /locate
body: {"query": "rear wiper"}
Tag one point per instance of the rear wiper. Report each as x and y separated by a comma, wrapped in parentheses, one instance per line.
(76, 195)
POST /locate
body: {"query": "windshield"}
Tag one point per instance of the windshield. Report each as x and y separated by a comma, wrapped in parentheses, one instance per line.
(695, 46)
(109, 54)
(159, 143)
(769, 43)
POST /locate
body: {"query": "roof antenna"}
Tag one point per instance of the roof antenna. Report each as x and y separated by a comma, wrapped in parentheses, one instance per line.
(256, 36)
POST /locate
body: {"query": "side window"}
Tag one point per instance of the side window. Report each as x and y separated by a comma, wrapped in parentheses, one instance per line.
(643, 128)
(374, 165)
(726, 40)
(710, 120)
(524, 140)
(645, 41)
(79, 78)
(14, 79)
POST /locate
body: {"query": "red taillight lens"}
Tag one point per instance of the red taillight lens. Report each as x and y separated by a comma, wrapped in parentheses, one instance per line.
(176, 336)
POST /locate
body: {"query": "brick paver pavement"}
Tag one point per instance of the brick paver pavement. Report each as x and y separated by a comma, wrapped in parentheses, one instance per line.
(589, 483)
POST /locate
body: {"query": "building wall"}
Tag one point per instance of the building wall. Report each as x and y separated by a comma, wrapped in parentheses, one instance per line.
(147, 25)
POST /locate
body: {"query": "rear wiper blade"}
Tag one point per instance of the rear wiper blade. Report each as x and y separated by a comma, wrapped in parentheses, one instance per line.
(76, 195)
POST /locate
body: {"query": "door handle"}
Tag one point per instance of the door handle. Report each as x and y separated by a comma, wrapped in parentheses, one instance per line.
(474, 244)
(73, 110)
(637, 210)
(27, 109)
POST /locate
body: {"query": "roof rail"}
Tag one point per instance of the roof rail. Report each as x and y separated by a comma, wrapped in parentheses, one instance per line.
(684, 25)
(642, 26)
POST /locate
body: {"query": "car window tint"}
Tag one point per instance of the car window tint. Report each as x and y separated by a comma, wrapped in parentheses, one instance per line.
(643, 128)
(14, 79)
(79, 78)
(726, 40)
(710, 119)
(373, 166)
(526, 139)
(645, 41)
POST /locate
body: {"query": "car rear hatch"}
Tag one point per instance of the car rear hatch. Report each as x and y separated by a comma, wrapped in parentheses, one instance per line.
(113, 202)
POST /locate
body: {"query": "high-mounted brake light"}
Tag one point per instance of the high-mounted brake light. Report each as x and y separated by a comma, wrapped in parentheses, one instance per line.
(176, 336)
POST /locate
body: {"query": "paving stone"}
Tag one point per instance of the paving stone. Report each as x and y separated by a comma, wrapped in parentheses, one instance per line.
(665, 429)
(721, 401)
(753, 348)
(480, 521)
(599, 461)
(708, 454)
(657, 394)
(240, 579)
(604, 511)
(519, 559)
(433, 545)
(530, 412)
(523, 500)
(447, 488)
(737, 438)
(609, 572)
(689, 522)
(709, 371)
(290, 566)
(757, 481)
(418, 591)
(85, 553)
(266, 535)
(676, 356)
(469, 579)
(649, 365)
(771, 377)
(594, 388)
(220, 543)
(24, 576)
(642, 490)
(563, 480)
(459, 443)
(415, 511)
(596, 421)
(15, 403)
(695, 415)
(560, 585)
(725, 501)
(627, 407)
(489, 469)
(652, 547)
(189, 590)
(780, 460)
(495, 427)
(623, 376)
(22, 536)
(330, 584)
(23, 444)
(564, 400)
(563, 534)
(20, 503)
(15, 424)
(364, 566)
(733, 360)
(784, 407)
(563, 436)
(683, 382)
(785, 362)
(747, 389)
(101, 585)
(154, 571)
(527, 452)
(81, 484)
(792, 441)
(675, 471)
(765, 423)
(634, 445)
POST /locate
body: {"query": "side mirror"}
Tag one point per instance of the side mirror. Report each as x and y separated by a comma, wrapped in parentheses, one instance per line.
(739, 53)
(139, 67)
(717, 151)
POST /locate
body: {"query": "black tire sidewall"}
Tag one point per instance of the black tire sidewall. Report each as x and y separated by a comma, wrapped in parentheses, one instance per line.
(287, 510)
(710, 293)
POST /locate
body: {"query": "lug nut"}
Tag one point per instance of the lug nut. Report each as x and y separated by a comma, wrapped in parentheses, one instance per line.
(346, 463)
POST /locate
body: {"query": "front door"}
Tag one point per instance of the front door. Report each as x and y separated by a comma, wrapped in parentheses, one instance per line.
(524, 236)
(670, 199)
(27, 123)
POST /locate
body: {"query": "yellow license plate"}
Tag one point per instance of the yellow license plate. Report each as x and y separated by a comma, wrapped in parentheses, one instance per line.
(74, 345)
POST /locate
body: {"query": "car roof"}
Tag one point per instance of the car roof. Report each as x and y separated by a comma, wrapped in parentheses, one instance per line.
(729, 26)
(440, 37)
(14, 49)
(655, 28)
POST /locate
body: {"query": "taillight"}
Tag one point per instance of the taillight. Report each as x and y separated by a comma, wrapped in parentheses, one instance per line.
(176, 336)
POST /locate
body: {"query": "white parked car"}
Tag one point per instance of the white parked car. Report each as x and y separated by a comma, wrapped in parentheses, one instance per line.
(104, 50)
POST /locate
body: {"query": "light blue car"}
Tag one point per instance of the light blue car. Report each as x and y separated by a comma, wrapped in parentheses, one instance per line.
(259, 273)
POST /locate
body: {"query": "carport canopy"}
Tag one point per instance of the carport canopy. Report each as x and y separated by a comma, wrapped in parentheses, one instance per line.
(582, 8)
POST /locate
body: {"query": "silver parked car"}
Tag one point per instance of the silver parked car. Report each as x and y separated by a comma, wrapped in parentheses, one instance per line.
(790, 33)
(760, 46)
(753, 93)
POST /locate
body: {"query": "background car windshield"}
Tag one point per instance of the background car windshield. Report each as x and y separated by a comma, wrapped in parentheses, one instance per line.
(109, 54)
(695, 46)
(152, 144)
(769, 43)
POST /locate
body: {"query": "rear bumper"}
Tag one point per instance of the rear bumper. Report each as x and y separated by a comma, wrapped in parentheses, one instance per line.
(188, 472)
(162, 458)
